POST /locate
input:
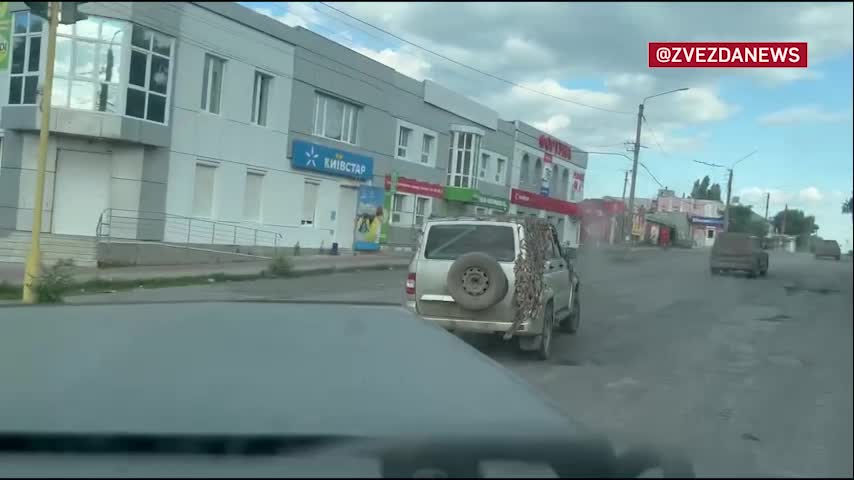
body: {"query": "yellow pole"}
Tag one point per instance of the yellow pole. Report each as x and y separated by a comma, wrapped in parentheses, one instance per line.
(32, 272)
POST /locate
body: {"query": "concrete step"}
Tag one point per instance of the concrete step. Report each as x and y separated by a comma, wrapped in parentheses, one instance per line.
(15, 246)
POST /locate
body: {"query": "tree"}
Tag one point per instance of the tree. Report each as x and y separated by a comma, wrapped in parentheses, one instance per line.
(714, 193)
(797, 223)
(846, 208)
(702, 190)
(742, 219)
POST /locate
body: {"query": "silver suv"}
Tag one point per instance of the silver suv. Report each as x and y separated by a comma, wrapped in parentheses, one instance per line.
(463, 278)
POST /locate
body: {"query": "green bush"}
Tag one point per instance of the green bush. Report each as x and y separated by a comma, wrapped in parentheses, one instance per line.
(280, 266)
(54, 282)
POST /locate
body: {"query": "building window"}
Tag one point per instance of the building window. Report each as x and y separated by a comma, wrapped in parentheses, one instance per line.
(565, 182)
(409, 210)
(710, 234)
(484, 165)
(422, 209)
(252, 196)
(538, 172)
(499, 170)
(553, 191)
(309, 203)
(335, 119)
(212, 83)
(523, 169)
(88, 69)
(26, 58)
(260, 98)
(462, 164)
(203, 190)
(403, 135)
(148, 80)
(427, 148)
(398, 207)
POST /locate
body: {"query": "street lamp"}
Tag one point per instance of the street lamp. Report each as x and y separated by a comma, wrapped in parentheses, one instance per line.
(637, 146)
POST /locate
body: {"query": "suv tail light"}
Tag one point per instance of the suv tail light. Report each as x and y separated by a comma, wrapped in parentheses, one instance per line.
(410, 284)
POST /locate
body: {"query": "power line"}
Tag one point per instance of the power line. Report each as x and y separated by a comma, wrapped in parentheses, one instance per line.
(493, 76)
(650, 174)
(654, 136)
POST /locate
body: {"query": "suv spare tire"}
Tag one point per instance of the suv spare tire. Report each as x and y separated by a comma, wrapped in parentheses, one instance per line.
(476, 281)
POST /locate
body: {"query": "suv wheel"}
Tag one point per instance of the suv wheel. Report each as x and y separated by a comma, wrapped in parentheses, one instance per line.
(545, 349)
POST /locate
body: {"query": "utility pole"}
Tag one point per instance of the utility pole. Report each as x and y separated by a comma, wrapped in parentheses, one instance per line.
(767, 200)
(623, 198)
(631, 209)
(728, 193)
(33, 266)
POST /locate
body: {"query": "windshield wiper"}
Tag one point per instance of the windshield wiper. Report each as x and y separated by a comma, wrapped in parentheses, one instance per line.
(81, 443)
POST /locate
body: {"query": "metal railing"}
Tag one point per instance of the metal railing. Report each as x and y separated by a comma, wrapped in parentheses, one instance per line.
(140, 225)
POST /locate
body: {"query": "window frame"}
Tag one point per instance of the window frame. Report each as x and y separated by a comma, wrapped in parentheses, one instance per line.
(350, 113)
(25, 72)
(303, 221)
(150, 54)
(405, 213)
(524, 168)
(403, 147)
(426, 156)
(457, 151)
(211, 214)
(259, 218)
(257, 91)
(207, 86)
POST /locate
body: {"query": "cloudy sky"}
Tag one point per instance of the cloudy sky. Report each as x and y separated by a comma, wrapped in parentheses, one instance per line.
(799, 120)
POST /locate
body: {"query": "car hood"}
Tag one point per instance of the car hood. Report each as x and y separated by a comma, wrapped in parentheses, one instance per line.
(253, 369)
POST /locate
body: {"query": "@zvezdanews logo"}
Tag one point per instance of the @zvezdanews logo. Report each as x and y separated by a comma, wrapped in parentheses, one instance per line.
(727, 55)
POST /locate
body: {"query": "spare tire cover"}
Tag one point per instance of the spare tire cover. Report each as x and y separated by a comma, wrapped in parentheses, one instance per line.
(476, 281)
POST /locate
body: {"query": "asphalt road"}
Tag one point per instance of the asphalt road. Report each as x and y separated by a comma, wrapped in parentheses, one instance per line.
(750, 376)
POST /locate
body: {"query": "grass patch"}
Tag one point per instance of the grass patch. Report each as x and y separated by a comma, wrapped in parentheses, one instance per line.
(9, 291)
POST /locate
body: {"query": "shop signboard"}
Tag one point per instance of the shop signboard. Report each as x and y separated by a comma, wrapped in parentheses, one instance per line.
(548, 167)
(541, 202)
(470, 195)
(5, 34)
(331, 161)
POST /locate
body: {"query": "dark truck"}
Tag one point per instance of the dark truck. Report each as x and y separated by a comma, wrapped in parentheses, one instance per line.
(828, 248)
(738, 252)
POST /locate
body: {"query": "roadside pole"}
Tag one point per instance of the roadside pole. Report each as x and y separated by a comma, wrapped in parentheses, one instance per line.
(767, 200)
(728, 192)
(623, 198)
(631, 209)
(33, 266)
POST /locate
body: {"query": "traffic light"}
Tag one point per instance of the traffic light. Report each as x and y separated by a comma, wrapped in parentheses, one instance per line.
(70, 13)
(38, 8)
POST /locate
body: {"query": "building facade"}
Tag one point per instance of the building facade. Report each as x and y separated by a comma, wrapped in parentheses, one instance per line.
(547, 180)
(183, 119)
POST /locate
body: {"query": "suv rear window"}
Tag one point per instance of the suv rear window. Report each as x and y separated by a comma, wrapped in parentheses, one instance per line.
(447, 242)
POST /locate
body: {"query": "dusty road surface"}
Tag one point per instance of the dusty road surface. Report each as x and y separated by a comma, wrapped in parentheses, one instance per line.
(750, 376)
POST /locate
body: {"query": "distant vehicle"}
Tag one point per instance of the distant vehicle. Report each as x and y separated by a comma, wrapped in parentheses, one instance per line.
(463, 278)
(738, 252)
(828, 248)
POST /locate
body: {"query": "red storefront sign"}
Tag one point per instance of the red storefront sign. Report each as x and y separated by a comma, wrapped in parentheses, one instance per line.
(555, 146)
(408, 185)
(533, 200)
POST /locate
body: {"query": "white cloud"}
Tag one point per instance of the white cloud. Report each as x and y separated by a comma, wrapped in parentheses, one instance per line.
(803, 114)
(400, 60)
(553, 124)
(810, 195)
(757, 195)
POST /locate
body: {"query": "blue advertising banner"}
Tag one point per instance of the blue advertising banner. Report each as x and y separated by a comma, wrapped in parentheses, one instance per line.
(331, 161)
(369, 218)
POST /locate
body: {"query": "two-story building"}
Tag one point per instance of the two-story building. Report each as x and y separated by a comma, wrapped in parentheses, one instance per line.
(188, 120)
